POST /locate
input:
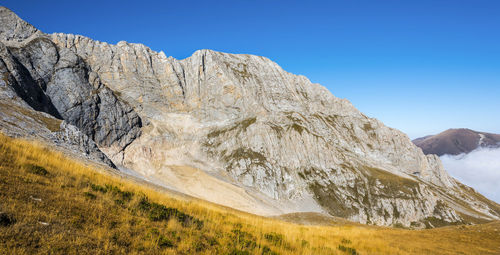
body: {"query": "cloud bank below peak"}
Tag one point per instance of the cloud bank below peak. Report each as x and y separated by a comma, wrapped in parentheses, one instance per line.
(479, 169)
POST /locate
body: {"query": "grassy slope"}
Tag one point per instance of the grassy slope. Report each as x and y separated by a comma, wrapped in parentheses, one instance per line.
(53, 204)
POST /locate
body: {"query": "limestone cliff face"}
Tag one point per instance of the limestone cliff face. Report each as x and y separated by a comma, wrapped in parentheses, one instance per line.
(57, 81)
(264, 140)
(13, 28)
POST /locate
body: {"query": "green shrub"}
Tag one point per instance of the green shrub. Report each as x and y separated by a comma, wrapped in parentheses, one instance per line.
(348, 250)
(274, 238)
(267, 251)
(165, 242)
(239, 252)
(35, 169)
(6, 219)
(126, 196)
(98, 188)
(89, 195)
(305, 243)
(345, 241)
(159, 212)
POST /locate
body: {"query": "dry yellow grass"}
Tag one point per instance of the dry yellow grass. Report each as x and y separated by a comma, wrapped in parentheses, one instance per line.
(50, 203)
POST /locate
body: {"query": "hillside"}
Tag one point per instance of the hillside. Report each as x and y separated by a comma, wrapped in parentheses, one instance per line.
(457, 141)
(50, 203)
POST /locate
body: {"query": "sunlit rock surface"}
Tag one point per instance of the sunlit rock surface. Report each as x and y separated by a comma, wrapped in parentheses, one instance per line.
(234, 129)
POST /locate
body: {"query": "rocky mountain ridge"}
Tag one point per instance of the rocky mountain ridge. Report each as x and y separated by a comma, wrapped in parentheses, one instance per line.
(233, 129)
(457, 141)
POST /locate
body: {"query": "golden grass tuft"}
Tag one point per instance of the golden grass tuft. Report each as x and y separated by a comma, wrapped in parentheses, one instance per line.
(50, 203)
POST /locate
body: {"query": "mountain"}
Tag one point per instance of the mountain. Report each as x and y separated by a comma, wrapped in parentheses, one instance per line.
(233, 129)
(457, 141)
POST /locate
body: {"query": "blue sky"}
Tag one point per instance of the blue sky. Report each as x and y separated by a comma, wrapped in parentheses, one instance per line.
(419, 66)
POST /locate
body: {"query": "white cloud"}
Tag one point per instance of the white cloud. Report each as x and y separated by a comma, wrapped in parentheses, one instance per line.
(480, 169)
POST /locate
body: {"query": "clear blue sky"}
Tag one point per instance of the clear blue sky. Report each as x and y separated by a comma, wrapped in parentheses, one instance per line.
(419, 66)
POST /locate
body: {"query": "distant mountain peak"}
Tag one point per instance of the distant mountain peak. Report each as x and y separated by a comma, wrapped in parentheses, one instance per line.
(456, 141)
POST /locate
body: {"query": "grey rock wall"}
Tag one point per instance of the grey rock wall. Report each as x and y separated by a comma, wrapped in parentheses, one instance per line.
(271, 131)
(59, 82)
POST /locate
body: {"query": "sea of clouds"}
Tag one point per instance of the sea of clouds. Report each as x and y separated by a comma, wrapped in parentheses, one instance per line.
(479, 169)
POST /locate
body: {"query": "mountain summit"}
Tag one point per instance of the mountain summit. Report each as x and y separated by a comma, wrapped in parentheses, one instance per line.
(457, 141)
(234, 129)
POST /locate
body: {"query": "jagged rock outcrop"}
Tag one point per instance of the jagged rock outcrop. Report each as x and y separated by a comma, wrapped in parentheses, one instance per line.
(13, 28)
(17, 119)
(239, 130)
(57, 81)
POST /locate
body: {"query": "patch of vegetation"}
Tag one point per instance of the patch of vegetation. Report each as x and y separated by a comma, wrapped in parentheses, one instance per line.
(345, 241)
(244, 124)
(125, 196)
(6, 219)
(440, 207)
(414, 224)
(347, 250)
(307, 172)
(330, 120)
(36, 169)
(302, 175)
(244, 240)
(327, 198)
(398, 225)
(395, 212)
(238, 126)
(120, 240)
(98, 188)
(165, 242)
(278, 129)
(433, 222)
(117, 93)
(51, 123)
(297, 124)
(304, 243)
(393, 185)
(298, 128)
(267, 251)
(159, 212)
(240, 71)
(275, 238)
(120, 197)
(293, 116)
(239, 252)
(367, 127)
(89, 195)
(246, 153)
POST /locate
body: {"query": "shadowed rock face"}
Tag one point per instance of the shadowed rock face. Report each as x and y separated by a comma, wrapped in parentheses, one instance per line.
(264, 140)
(31, 89)
(457, 141)
(57, 81)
